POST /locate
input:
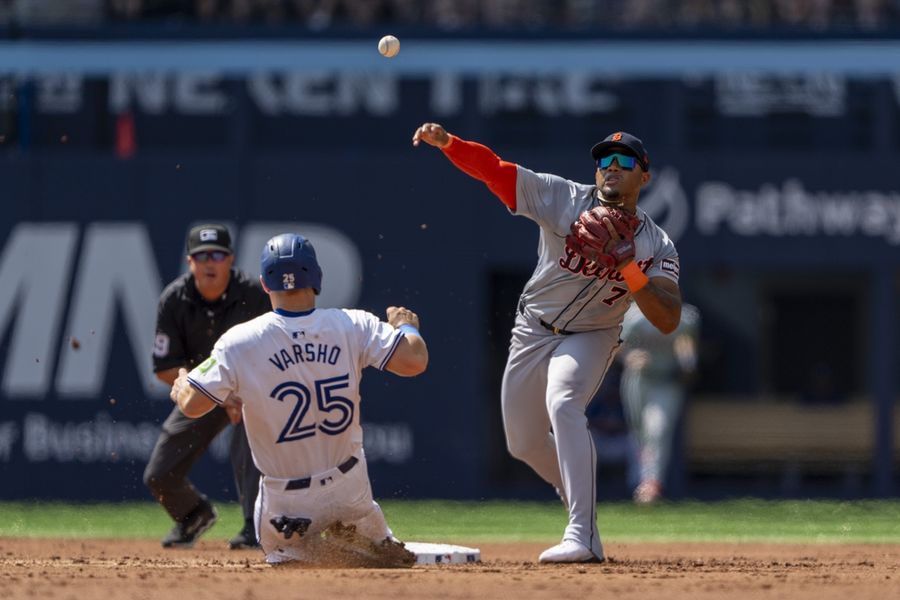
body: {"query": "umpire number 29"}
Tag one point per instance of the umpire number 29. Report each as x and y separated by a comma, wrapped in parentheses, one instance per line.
(337, 409)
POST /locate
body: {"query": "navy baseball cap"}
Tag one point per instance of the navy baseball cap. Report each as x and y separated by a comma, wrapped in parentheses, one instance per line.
(620, 139)
(209, 237)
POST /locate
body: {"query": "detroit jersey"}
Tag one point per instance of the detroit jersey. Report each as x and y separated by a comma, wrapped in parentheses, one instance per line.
(298, 377)
(565, 290)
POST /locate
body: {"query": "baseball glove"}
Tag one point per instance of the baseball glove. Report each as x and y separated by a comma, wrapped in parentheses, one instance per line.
(591, 238)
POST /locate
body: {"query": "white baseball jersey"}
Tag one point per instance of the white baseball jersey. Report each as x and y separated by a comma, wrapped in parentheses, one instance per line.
(565, 290)
(298, 377)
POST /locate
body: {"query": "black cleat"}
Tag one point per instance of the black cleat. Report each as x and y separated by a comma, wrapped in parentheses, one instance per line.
(186, 532)
(246, 538)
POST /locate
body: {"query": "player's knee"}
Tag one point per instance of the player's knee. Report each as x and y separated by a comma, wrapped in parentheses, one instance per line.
(156, 481)
(522, 449)
(152, 483)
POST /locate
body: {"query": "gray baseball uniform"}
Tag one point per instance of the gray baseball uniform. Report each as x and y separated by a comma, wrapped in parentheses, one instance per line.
(565, 336)
(652, 388)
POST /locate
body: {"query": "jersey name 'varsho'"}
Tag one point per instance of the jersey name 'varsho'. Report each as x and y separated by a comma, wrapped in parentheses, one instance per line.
(306, 353)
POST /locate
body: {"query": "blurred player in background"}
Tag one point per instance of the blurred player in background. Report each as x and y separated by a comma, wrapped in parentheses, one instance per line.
(194, 310)
(657, 371)
(297, 369)
(569, 315)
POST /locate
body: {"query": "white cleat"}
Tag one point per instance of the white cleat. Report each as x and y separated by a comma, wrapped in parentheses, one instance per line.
(568, 551)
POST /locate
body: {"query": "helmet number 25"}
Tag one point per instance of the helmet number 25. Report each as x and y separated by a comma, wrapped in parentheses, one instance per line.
(337, 409)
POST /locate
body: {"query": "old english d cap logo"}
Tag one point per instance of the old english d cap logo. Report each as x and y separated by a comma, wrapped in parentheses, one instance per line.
(621, 139)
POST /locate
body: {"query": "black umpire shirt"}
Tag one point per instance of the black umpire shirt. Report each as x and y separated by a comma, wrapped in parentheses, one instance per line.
(188, 326)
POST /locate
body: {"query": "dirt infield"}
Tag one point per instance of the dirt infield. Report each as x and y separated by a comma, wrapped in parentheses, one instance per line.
(113, 570)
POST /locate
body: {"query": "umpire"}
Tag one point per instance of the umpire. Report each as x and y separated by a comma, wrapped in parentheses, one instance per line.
(194, 310)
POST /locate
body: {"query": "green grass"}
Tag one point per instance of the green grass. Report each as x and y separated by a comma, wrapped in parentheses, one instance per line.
(492, 521)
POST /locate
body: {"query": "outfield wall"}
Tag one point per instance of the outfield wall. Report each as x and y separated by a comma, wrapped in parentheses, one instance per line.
(772, 183)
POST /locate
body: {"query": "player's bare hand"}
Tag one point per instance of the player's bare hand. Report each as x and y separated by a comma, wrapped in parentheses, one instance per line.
(233, 407)
(399, 315)
(432, 134)
(178, 385)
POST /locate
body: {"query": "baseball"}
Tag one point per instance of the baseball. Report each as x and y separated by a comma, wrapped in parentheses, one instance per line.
(389, 46)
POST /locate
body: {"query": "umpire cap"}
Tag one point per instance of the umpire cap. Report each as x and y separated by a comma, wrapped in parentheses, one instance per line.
(289, 263)
(621, 139)
(212, 236)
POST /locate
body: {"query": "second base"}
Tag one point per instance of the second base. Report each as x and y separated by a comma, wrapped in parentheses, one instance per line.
(443, 554)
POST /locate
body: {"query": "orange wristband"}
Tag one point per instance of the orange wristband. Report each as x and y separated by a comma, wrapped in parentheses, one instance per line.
(634, 277)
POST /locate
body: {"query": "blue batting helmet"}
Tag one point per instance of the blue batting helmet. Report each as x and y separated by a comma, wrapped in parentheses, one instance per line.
(289, 263)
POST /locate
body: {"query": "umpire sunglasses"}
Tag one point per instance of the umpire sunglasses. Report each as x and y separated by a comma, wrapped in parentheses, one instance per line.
(214, 255)
(625, 162)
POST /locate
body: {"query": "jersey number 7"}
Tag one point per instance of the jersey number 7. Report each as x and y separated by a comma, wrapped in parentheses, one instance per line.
(326, 401)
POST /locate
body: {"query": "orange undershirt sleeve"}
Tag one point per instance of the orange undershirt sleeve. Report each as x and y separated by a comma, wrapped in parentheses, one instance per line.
(480, 162)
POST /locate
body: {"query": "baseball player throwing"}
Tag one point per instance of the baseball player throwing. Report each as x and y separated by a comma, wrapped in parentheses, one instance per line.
(297, 371)
(597, 252)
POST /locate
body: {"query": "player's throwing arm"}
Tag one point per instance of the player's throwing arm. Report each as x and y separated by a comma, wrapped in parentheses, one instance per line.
(432, 134)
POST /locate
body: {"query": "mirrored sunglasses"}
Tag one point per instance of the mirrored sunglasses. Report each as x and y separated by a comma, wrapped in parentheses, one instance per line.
(213, 255)
(625, 162)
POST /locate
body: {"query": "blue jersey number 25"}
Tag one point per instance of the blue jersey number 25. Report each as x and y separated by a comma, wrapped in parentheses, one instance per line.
(338, 410)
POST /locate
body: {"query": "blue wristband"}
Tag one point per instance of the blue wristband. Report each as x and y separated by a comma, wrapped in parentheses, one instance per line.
(410, 329)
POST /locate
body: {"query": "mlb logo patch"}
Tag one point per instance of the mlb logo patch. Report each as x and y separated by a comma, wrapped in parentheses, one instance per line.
(670, 265)
(209, 235)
